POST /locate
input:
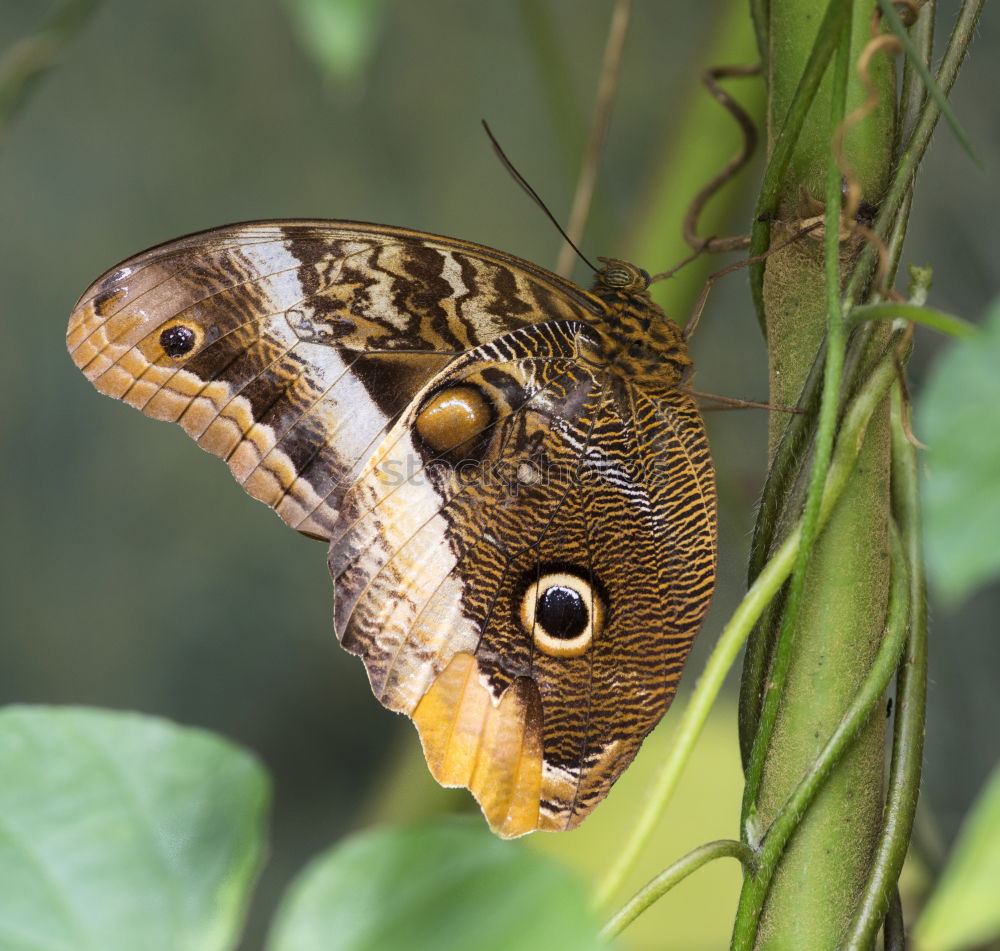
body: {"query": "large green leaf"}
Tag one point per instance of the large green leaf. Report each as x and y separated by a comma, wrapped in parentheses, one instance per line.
(120, 831)
(959, 419)
(964, 909)
(443, 885)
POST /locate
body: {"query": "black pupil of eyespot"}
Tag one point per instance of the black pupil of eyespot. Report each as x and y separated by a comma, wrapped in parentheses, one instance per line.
(562, 612)
(177, 340)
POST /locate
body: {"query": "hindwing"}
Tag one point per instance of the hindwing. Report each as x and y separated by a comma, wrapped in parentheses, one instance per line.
(580, 482)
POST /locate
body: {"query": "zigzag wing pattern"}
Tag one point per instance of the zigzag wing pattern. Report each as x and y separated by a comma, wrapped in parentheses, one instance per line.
(432, 574)
(289, 349)
(517, 493)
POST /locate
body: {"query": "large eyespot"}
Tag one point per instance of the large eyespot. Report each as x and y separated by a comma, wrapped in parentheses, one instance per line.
(178, 340)
(451, 422)
(562, 613)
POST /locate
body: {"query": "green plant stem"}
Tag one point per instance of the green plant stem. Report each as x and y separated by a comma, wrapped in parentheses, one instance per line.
(909, 161)
(777, 488)
(759, 13)
(797, 341)
(865, 701)
(913, 55)
(779, 493)
(796, 914)
(770, 579)
(911, 698)
(657, 887)
(805, 898)
(784, 143)
(835, 337)
(920, 115)
(894, 937)
(887, 226)
(913, 95)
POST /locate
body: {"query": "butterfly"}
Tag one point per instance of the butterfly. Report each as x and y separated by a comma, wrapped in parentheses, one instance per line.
(514, 487)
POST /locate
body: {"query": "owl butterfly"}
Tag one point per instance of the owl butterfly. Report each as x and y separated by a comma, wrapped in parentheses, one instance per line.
(516, 494)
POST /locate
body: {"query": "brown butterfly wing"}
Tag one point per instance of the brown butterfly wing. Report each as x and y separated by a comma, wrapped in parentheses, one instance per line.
(290, 348)
(578, 480)
(528, 594)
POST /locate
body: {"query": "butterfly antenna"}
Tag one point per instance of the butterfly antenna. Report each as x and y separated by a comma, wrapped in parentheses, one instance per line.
(523, 182)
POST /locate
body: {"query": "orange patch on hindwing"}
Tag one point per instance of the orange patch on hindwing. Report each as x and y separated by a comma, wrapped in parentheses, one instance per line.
(493, 748)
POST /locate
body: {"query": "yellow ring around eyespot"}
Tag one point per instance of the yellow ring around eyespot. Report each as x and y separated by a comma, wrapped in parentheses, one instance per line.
(558, 646)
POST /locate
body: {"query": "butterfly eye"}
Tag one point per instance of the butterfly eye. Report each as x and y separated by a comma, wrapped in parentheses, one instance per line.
(178, 340)
(618, 275)
(452, 419)
(562, 612)
(621, 274)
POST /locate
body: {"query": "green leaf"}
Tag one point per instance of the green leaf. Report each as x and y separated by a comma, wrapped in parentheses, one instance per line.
(442, 885)
(339, 35)
(959, 419)
(935, 319)
(963, 910)
(121, 831)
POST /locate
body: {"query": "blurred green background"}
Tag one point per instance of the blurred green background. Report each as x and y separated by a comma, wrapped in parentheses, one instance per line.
(134, 574)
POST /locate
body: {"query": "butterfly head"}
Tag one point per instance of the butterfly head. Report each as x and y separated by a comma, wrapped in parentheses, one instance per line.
(621, 277)
(638, 339)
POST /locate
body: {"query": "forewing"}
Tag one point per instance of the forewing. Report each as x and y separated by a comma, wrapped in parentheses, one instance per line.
(290, 349)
